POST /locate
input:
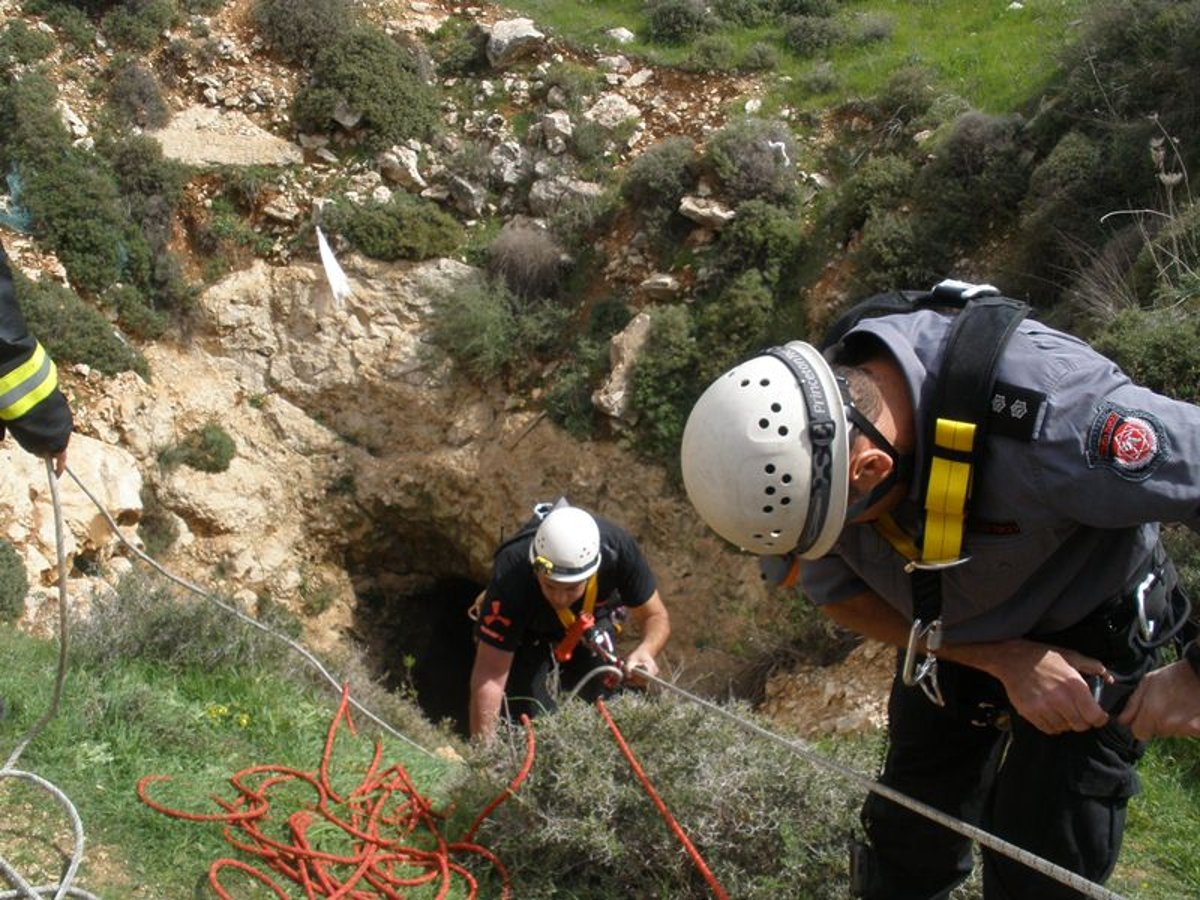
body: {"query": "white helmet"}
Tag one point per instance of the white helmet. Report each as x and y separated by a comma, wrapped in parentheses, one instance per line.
(765, 454)
(566, 546)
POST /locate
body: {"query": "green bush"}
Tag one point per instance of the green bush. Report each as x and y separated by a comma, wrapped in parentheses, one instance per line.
(712, 53)
(716, 778)
(300, 29)
(889, 256)
(139, 24)
(206, 449)
(22, 45)
(72, 331)
(527, 258)
(376, 76)
(1159, 348)
(744, 13)
(733, 324)
(809, 36)
(871, 28)
(576, 83)
(135, 315)
(14, 583)
(662, 174)
(487, 330)
(30, 122)
(157, 527)
(569, 395)
(676, 21)
(68, 21)
(821, 9)
(404, 227)
(877, 186)
(460, 47)
(908, 94)
(763, 237)
(759, 57)
(136, 98)
(755, 159)
(665, 383)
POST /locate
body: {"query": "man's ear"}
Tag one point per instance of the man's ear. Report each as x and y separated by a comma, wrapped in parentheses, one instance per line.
(869, 467)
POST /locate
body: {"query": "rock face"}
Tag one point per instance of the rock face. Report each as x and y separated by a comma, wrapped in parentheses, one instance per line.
(364, 463)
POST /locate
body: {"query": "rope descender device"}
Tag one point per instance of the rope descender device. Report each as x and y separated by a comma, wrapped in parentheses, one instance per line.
(583, 622)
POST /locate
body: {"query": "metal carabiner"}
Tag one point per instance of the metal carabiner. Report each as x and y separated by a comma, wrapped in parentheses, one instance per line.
(1146, 625)
(923, 674)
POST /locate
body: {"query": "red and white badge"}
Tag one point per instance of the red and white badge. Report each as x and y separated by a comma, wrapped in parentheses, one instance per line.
(1127, 441)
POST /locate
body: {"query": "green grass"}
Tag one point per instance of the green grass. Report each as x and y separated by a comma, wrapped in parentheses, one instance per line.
(993, 57)
(123, 719)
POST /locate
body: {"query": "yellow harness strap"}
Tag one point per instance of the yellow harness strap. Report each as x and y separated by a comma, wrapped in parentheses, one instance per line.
(589, 604)
(945, 499)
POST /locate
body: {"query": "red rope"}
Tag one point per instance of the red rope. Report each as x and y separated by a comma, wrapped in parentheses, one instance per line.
(375, 819)
(718, 891)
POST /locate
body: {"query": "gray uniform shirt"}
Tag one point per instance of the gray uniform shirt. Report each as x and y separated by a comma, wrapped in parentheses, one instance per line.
(1065, 510)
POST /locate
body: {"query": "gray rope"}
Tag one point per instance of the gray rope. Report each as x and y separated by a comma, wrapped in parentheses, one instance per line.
(233, 611)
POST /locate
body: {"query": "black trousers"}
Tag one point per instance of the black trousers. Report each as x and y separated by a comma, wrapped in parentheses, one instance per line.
(530, 689)
(1063, 797)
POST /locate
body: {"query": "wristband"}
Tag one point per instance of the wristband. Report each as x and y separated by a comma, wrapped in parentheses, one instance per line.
(1191, 653)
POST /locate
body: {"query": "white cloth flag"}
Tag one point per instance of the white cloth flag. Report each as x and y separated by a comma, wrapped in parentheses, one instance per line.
(339, 284)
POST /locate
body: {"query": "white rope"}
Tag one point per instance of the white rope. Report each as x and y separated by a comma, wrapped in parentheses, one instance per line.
(233, 611)
(63, 888)
(1032, 860)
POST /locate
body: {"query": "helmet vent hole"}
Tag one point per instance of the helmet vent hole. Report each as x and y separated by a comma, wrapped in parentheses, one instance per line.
(786, 478)
(776, 533)
(784, 501)
(768, 509)
(764, 382)
(764, 424)
(770, 491)
(745, 382)
(775, 407)
(783, 431)
(769, 468)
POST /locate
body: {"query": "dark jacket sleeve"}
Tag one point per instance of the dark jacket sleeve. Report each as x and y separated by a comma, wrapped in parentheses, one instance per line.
(31, 405)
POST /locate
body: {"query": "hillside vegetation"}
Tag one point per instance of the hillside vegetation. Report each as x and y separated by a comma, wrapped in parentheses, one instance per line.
(1044, 147)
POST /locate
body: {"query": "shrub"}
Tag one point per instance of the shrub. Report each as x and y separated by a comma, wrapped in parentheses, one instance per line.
(460, 48)
(20, 44)
(569, 395)
(877, 186)
(72, 331)
(821, 9)
(70, 22)
(371, 73)
(136, 98)
(734, 323)
(1159, 348)
(135, 315)
(664, 384)
(744, 13)
(206, 449)
(762, 237)
(662, 174)
(576, 83)
(404, 227)
(14, 583)
(151, 185)
(809, 35)
(822, 78)
(908, 93)
(486, 329)
(676, 21)
(700, 763)
(157, 527)
(29, 120)
(872, 28)
(590, 140)
(139, 24)
(527, 258)
(755, 159)
(889, 256)
(299, 29)
(759, 57)
(143, 619)
(712, 53)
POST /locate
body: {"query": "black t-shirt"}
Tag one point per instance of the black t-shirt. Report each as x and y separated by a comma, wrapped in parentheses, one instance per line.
(515, 612)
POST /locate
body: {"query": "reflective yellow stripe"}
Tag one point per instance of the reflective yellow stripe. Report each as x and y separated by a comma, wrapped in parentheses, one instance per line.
(27, 385)
(589, 603)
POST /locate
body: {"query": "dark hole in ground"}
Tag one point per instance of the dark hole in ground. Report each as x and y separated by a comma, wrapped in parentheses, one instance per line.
(419, 640)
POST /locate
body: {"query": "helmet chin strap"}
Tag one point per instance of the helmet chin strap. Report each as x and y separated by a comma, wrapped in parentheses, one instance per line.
(901, 465)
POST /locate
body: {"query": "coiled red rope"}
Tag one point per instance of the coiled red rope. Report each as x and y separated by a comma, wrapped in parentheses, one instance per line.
(718, 891)
(374, 822)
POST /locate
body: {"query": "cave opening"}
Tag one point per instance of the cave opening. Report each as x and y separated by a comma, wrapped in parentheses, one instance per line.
(411, 617)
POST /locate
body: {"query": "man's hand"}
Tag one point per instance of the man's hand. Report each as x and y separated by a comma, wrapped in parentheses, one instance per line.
(1046, 685)
(1165, 704)
(59, 460)
(640, 659)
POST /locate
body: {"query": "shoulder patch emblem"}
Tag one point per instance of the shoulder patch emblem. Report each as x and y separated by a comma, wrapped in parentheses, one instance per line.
(1127, 441)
